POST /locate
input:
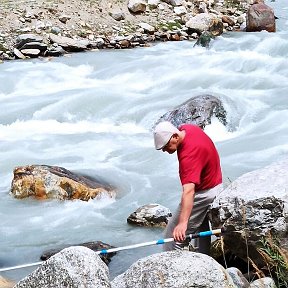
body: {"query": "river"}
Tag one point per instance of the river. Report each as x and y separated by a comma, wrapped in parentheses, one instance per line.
(92, 113)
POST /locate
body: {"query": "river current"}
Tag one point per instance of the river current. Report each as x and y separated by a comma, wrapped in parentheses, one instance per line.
(92, 113)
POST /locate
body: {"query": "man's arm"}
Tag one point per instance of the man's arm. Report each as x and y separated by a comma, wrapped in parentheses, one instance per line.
(187, 202)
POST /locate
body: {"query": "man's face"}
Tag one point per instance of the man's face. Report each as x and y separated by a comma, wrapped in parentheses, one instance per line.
(171, 146)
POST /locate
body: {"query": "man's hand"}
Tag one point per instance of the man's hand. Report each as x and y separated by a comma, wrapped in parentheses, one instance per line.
(179, 233)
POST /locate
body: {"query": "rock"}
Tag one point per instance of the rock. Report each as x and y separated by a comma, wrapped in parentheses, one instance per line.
(147, 27)
(18, 54)
(69, 44)
(26, 38)
(200, 23)
(254, 206)
(34, 45)
(265, 282)
(180, 10)
(95, 246)
(137, 6)
(64, 18)
(238, 279)
(150, 215)
(153, 3)
(203, 7)
(124, 43)
(118, 15)
(55, 30)
(55, 51)
(31, 52)
(260, 17)
(198, 110)
(228, 20)
(74, 267)
(177, 269)
(173, 2)
(52, 182)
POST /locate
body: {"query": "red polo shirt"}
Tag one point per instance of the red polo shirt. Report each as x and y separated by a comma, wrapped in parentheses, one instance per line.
(199, 161)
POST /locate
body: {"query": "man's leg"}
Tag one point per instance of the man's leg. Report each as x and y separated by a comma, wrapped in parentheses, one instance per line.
(204, 243)
(168, 233)
(198, 220)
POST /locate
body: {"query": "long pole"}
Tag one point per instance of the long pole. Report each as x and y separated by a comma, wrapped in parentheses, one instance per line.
(160, 241)
(112, 250)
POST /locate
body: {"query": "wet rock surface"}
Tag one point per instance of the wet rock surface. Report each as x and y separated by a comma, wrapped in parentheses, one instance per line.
(151, 215)
(198, 110)
(52, 182)
(95, 246)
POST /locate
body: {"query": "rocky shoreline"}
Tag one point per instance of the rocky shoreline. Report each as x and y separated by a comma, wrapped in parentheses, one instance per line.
(42, 29)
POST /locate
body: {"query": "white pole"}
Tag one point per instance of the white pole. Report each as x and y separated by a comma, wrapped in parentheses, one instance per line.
(20, 266)
(104, 251)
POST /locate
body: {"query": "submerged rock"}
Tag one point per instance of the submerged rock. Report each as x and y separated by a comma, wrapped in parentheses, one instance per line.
(52, 182)
(198, 110)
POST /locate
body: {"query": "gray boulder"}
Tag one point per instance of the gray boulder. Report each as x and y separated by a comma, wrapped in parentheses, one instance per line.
(198, 110)
(238, 279)
(69, 44)
(174, 269)
(254, 206)
(27, 38)
(74, 267)
(265, 282)
(150, 215)
(205, 22)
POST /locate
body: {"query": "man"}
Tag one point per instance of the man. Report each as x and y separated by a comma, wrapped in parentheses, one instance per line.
(200, 175)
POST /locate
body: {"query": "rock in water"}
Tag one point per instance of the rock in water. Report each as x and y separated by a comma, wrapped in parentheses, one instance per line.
(52, 182)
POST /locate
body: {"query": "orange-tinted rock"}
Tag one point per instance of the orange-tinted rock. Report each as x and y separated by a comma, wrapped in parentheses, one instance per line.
(52, 182)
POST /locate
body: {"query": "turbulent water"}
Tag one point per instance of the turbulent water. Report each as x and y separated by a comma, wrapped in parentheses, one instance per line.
(93, 112)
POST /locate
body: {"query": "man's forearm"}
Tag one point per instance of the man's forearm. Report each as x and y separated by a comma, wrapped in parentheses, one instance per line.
(187, 201)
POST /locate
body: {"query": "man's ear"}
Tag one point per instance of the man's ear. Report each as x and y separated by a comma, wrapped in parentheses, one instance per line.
(176, 136)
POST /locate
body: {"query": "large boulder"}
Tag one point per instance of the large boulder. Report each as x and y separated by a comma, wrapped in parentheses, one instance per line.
(177, 269)
(74, 267)
(254, 206)
(198, 110)
(260, 17)
(52, 182)
(151, 215)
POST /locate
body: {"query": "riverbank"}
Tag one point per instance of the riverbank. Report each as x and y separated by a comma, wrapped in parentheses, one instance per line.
(98, 24)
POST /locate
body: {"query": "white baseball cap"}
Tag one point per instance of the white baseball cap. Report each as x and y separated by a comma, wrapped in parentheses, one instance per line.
(163, 133)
